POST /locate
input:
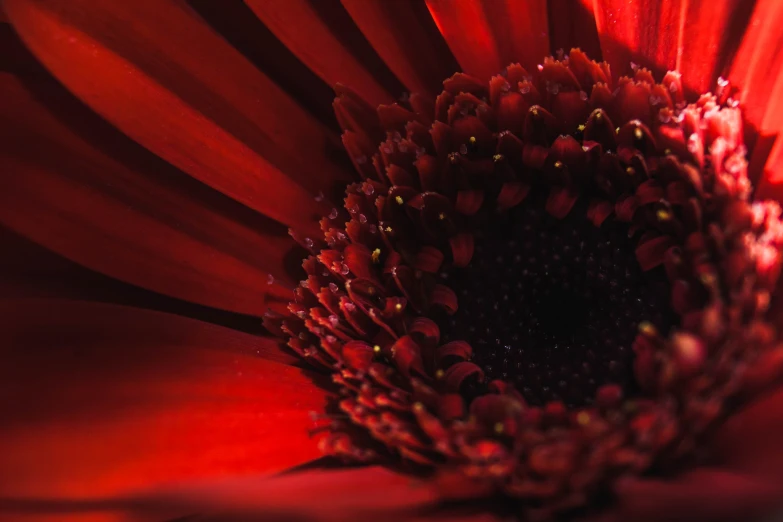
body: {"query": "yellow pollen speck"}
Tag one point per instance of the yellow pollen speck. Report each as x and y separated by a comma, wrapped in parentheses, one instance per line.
(617, 130)
(418, 407)
(558, 164)
(583, 418)
(399, 200)
(497, 157)
(663, 215)
(472, 140)
(647, 328)
(630, 171)
(667, 151)
(534, 111)
(581, 128)
(441, 216)
(376, 255)
(388, 229)
(499, 428)
(637, 133)
(439, 374)
(398, 307)
(598, 116)
(376, 349)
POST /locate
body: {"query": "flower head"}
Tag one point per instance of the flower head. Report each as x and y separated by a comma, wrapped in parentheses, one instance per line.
(548, 288)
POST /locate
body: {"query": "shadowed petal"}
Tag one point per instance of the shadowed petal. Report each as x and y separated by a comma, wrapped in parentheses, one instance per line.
(467, 30)
(520, 30)
(488, 35)
(143, 223)
(710, 32)
(400, 33)
(572, 24)
(695, 38)
(744, 484)
(355, 495)
(750, 440)
(107, 399)
(157, 72)
(649, 32)
(705, 495)
(29, 270)
(297, 24)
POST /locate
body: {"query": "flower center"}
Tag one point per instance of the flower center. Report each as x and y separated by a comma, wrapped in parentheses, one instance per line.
(553, 305)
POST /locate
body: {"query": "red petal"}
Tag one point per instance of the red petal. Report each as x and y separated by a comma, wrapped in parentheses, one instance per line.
(467, 30)
(101, 400)
(574, 29)
(705, 495)
(750, 440)
(598, 210)
(118, 210)
(462, 246)
(708, 27)
(445, 297)
(169, 82)
(561, 201)
(651, 253)
(358, 355)
(407, 40)
(520, 31)
(298, 25)
(350, 495)
(457, 373)
(647, 33)
(756, 73)
(512, 193)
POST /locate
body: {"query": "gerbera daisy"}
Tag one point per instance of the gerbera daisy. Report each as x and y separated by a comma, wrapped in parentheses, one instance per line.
(542, 288)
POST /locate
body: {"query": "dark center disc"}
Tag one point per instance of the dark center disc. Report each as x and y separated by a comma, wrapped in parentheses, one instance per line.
(554, 305)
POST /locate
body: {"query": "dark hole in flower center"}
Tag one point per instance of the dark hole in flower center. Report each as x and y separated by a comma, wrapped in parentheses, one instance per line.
(553, 306)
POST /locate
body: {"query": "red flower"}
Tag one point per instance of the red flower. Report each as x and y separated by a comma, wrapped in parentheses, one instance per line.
(474, 301)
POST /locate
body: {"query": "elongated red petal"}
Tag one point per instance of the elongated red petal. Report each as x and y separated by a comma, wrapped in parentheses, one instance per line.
(138, 220)
(485, 36)
(353, 495)
(298, 25)
(329, 494)
(756, 71)
(710, 31)
(706, 495)
(400, 33)
(157, 72)
(572, 24)
(520, 30)
(102, 400)
(648, 33)
(468, 32)
(750, 440)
